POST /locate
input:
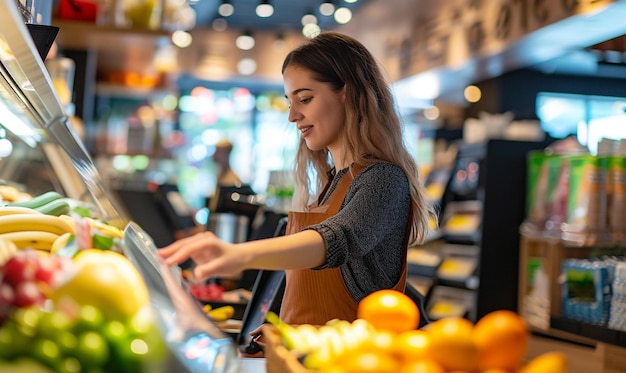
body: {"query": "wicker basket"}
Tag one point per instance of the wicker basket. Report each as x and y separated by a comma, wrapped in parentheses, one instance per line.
(278, 358)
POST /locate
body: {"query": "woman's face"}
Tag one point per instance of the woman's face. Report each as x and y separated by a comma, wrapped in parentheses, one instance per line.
(316, 109)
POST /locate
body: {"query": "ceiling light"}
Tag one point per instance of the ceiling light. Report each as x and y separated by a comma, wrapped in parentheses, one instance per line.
(309, 17)
(219, 24)
(245, 41)
(264, 9)
(311, 30)
(327, 8)
(472, 93)
(350, 1)
(181, 39)
(226, 9)
(246, 66)
(343, 15)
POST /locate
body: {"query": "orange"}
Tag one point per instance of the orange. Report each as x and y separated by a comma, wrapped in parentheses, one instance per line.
(549, 362)
(422, 366)
(501, 338)
(358, 361)
(412, 345)
(451, 344)
(106, 280)
(389, 310)
(379, 342)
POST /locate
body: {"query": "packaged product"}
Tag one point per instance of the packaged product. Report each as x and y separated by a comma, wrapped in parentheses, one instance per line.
(616, 199)
(559, 196)
(542, 171)
(617, 318)
(586, 290)
(585, 219)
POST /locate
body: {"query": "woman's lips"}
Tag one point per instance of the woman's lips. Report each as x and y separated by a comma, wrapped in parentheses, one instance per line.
(305, 131)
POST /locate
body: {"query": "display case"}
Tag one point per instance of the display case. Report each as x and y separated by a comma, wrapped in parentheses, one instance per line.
(471, 269)
(40, 152)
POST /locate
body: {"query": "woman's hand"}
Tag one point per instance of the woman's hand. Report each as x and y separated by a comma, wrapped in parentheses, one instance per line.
(212, 256)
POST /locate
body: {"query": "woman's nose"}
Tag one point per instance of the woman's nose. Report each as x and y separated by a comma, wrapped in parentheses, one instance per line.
(294, 115)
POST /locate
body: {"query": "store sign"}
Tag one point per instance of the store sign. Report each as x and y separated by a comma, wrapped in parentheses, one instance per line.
(465, 29)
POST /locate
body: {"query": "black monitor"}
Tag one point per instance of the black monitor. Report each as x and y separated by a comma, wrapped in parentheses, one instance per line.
(267, 295)
(159, 209)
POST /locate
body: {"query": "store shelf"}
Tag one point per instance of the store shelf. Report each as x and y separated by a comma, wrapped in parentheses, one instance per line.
(595, 332)
(118, 90)
(88, 35)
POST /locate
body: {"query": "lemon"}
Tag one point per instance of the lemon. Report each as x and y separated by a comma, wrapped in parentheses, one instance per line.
(106, 280)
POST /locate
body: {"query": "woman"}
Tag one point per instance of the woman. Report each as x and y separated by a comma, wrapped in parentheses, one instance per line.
(368, 204)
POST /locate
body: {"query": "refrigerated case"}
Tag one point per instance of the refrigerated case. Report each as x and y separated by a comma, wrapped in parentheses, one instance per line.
(40, 151)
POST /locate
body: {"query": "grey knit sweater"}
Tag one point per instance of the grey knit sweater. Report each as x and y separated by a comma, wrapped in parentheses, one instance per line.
(366, 237)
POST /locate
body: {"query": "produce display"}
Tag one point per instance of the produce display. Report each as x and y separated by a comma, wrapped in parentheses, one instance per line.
(384, 338)
(70, 301)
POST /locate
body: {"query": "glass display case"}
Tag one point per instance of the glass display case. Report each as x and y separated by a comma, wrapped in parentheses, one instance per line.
(40, 152)
(39, 149)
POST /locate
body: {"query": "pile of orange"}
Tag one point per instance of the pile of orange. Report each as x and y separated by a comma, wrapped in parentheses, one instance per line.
(496, 343)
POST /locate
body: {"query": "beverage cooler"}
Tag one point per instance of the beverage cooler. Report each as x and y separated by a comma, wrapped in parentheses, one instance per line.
(54, 316)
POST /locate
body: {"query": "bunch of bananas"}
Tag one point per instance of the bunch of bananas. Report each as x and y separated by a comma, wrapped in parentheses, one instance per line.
(320, 345)
(43, 223)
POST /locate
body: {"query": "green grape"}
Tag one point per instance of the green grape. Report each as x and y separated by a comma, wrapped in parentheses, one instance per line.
(67, 342)
(90, 318)
(18, 338)
(7, 346)
(53, 323)
(92, 350)
(26, 319)
(68, 365)
(46, 352)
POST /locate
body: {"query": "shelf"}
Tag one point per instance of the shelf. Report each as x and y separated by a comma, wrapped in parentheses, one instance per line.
(87, 35)
(118, 90)
(594, 332)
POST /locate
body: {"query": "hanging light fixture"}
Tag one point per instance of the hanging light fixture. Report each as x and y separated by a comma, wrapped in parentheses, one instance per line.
(226, 9)
(245, 41)
(343, 15)
(327, 7)
(264, 9)
(308, 17)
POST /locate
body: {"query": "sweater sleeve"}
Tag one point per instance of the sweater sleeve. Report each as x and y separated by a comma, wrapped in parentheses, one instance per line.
(374, 213)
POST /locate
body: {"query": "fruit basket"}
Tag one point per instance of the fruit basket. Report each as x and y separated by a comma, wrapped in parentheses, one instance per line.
(384, 339)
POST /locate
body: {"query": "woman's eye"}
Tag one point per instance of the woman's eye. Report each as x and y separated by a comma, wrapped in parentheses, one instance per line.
(305, 100)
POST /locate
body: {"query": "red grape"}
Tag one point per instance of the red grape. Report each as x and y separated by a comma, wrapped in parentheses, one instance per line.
(19, 268)
(46, 269)
(27, 293)
(7, 298)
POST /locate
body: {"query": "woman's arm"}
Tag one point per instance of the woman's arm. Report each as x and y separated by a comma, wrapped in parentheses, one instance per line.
(214, 257)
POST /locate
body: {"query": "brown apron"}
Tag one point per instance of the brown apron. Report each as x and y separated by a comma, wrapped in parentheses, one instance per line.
(317, 296)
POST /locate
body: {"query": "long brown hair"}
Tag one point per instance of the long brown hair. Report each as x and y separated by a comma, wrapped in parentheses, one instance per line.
(373, 128)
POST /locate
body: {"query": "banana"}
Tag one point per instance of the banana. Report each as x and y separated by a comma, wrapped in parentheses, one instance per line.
(56, 207)
(106, 229)
(221, 313)
(308, 337)
(39, 200)
(38, 240)
(10, 210)
(34, 222)
(60, 242)
(70, 221)
(7, 250)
